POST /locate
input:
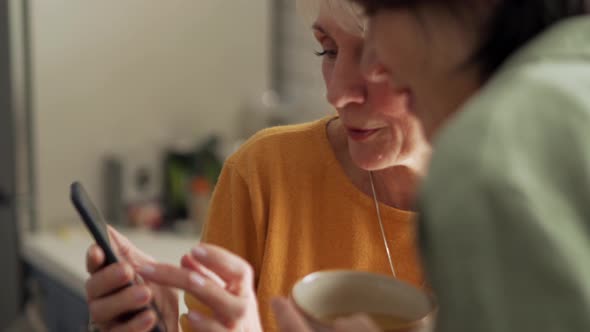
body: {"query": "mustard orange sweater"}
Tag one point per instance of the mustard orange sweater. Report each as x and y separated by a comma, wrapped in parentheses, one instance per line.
(284, 203)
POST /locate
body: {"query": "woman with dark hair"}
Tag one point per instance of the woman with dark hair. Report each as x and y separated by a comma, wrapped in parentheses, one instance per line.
(502, 88)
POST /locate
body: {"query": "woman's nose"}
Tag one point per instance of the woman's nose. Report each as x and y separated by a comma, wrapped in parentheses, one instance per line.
(346, 85)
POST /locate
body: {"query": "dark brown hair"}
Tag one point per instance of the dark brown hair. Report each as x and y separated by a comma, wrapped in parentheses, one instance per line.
(510, 25)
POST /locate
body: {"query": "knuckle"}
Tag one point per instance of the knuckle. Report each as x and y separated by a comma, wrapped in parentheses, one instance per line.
(143, 321)
(242, 270)
(248, 270)
(146, 290)
(95, 312)
(89, 254)
(89, 286)
(123, 249)
(116, 328)
(92, 260)
(239, 310)
(125, 270)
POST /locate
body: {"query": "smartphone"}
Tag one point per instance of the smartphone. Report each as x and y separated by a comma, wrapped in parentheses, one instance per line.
(97, 227)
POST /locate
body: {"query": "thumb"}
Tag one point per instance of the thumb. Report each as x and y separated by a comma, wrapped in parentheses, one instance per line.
(288, 319)
(126, 250)
(356, 323)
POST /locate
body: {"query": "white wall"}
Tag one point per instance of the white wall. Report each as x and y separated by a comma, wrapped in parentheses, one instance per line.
(114, 73)
(299, 67)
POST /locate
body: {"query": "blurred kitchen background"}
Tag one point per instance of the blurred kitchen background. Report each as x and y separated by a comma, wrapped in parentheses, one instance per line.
(141, 101)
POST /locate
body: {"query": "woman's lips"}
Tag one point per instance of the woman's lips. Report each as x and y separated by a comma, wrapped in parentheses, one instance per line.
(360, 135)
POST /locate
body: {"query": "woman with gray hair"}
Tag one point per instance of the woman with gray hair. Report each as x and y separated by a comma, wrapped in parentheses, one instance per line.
(337, 193)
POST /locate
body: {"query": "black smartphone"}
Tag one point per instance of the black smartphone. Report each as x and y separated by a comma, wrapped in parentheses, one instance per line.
(97, 227)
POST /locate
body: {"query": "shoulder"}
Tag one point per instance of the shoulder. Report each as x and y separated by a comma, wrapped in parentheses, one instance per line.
(523, 105)
(515, 130)
(282, 146)
(557, 88)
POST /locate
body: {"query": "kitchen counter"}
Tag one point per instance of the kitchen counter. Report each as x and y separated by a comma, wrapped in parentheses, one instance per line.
(60, 254)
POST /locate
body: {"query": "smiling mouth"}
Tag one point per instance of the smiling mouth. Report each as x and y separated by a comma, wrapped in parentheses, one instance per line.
(361, 134)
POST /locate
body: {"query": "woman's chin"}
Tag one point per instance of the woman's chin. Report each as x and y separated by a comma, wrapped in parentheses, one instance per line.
(371, 159)
(370, 162)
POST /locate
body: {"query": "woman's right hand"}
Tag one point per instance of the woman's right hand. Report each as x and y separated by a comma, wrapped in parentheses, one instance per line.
(109, 296)
(218, 281)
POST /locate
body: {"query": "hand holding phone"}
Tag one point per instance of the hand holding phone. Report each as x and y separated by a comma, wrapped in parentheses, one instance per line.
(96, 225)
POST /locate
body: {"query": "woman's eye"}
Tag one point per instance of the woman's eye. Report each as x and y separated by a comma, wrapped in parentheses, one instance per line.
(331, 54)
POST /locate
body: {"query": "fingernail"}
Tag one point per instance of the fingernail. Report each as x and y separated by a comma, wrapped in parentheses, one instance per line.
(142, 295)
(147, 269)
(147, 320)
(197, 279)
(199, 252)
(195, 317)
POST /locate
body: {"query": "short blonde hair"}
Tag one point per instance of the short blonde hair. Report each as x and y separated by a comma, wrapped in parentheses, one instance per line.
(348, 14)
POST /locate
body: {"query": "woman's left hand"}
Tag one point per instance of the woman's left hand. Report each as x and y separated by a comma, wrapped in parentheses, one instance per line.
(218, 279)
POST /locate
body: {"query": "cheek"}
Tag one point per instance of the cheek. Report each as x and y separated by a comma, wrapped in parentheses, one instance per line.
(399, 63)
(400, 46)
(327, 68)
(387, 102)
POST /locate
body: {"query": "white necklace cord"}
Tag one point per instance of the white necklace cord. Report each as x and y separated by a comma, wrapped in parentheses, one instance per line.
(378, 210)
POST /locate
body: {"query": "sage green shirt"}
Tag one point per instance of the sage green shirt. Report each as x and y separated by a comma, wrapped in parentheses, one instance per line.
(505, 209)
